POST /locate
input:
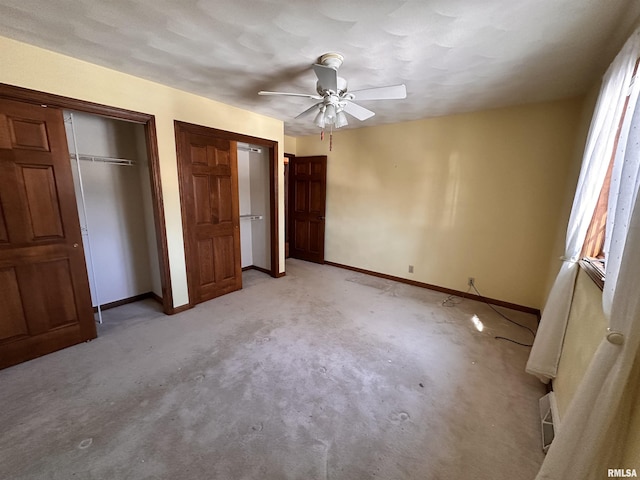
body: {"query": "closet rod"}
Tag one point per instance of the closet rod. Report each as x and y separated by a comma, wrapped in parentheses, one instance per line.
(98, 158)
(249, 149)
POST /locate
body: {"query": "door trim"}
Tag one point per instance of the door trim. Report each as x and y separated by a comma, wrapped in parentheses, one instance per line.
(26, 95)
(272, 145)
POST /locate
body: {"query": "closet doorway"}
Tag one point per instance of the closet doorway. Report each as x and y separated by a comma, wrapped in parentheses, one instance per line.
(147, 121)
(109, 162)
(210, 198)
(255, 214)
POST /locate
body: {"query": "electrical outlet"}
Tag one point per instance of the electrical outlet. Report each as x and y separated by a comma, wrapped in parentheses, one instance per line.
(410, 268)
(471, 281)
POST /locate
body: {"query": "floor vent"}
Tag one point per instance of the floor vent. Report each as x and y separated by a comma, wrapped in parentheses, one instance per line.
(548, 413)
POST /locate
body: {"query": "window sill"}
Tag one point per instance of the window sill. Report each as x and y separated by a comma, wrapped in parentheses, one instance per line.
(595, 269)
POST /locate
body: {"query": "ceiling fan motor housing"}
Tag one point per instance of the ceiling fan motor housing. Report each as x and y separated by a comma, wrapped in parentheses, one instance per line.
(333, 60)
(342, 88)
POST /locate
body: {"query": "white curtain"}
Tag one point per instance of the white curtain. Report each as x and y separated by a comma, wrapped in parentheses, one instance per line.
(547, 346)
(592, 435)
(624, 178)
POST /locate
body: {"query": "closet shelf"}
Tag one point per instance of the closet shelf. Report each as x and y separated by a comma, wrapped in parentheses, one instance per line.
(251, 217)
(98, 158)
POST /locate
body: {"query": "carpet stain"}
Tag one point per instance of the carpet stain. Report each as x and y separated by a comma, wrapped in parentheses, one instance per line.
(86, 443)
(256, 427)
(399, 417)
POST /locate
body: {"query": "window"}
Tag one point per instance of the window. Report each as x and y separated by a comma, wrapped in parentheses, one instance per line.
(593, 250)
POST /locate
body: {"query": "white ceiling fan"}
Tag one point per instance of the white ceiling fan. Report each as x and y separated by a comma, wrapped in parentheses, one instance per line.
(334, 98)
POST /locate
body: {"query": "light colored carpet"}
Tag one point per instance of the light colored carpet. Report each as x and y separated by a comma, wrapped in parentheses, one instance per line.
(324, 374)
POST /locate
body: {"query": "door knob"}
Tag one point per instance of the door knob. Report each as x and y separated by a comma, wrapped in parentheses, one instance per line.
(320, 218)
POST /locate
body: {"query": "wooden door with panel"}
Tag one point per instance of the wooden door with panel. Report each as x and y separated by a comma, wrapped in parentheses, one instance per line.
(45, 303)
(307, 207)
(208, 169)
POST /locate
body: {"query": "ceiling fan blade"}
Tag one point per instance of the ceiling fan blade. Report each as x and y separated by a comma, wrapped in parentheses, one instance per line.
(309, 110)
(284, 94)
(392, 92)
(357, 111)
(327, 76)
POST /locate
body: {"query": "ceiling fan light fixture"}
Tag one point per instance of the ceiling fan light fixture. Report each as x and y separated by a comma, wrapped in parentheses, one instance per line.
(330, 114)
(341, 120)
(319, 120)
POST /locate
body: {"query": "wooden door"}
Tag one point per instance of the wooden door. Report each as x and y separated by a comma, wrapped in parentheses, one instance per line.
(45, 304)
(208, 170)
(307, 203)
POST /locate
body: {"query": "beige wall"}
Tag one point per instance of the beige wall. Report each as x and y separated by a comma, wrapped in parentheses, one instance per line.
(586, 328)
(467, 195)
(588, 107)
(31, 67)
(290, 144)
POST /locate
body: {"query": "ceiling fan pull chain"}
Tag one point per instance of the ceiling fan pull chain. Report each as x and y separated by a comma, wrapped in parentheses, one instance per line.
(331, 137)
(321, 134)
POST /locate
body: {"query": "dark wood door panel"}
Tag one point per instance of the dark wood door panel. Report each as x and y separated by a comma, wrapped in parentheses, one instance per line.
(216, 260)
(25, 254)
(221, 155)
(307, 202)
(225, 258)
(208, 150)
(13, 322)
(53, 290)
(224, 194)
(301, 167)
(4, 234)
(317, 197)
(301, 235)
(315, 237)
(38, 186)
(207, 167)
(45, 303)
(30, 347)
(300, 195)
(28, 133)
(215, 230)
(205, 265)
(216, 272)
(198, 154)
(203, 213)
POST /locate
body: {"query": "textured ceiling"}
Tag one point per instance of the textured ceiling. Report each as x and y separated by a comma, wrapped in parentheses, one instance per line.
(453, 55)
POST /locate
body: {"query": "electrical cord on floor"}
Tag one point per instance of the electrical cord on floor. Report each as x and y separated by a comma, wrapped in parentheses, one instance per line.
(450, 300)
(533, 334)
